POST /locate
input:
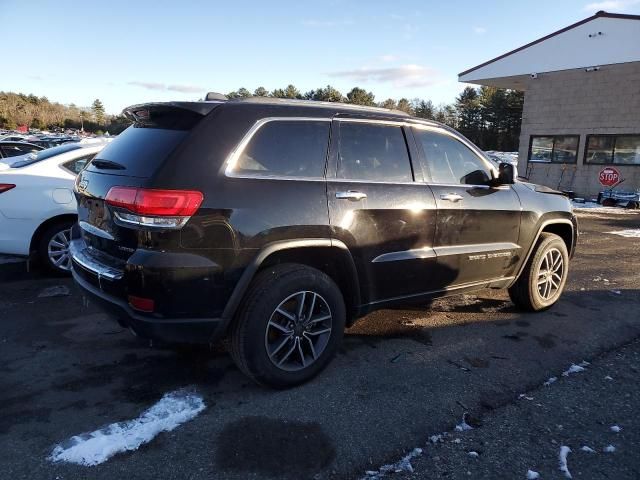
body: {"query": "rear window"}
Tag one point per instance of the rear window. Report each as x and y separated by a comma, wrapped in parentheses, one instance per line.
(138, 151)
(35, 157)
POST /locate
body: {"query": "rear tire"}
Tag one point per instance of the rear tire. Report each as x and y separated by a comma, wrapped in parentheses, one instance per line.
(53, 247)
(542, 281)
(277, 343)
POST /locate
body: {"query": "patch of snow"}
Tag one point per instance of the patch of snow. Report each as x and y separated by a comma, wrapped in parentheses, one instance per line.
(524, 395)
(94, 448)
(532, 475)
(584, 448)
(550, 381)
(456, 440)
(608, 377)
(609, 449)
(615, 428)
(616, 292)
(564, 451)
(55, 291)
(573, 369)
(403, 465)
(629, 233)
(474, 454)
(593, 207)
(463, 426)
(435, 438)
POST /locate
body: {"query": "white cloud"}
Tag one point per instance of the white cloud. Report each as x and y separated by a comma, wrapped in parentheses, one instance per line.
(326, 23)
(402, 76)
(614, 6)
(479, 30)
(388, 58)
(169, 88)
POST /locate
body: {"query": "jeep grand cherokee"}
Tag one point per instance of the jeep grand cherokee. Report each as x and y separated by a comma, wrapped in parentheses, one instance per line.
(279, 223)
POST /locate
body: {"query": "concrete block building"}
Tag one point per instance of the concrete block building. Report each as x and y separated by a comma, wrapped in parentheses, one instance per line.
(582, 102)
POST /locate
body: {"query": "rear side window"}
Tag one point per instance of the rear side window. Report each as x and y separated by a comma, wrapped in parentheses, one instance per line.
(138, 151)
(289, 148)
(450, 161)
(373, 152)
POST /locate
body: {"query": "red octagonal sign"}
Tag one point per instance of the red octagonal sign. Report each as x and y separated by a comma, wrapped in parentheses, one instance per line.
(609, 176)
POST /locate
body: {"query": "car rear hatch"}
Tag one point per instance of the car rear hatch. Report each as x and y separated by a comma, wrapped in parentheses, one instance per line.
(119, 210)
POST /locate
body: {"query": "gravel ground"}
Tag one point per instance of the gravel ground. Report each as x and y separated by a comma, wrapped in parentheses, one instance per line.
(595, 408)
(400, 376)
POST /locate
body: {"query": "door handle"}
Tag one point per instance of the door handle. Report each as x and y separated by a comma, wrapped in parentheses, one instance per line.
(351, 195)
(452, 197)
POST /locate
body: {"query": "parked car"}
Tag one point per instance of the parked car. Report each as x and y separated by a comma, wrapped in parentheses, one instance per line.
(278, 223)
(37, 205)
(12, 138)
(13, 149)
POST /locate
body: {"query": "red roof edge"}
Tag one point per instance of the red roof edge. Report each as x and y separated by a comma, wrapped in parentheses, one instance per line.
(600, 14)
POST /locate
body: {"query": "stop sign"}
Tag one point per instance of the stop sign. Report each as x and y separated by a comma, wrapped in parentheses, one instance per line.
(609, 176)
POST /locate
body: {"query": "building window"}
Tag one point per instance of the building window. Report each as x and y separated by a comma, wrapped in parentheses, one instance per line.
(554, 148)
(613, 149)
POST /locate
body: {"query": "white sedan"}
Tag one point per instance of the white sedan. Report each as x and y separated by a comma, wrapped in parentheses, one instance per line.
(37, 205)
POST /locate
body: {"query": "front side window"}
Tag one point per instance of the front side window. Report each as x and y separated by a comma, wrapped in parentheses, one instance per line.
(289, 148)
(450, 161)
(554, 148)
(613, 149)
(374, 152)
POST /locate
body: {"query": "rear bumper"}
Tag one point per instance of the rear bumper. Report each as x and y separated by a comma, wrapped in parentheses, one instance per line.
(105, 286)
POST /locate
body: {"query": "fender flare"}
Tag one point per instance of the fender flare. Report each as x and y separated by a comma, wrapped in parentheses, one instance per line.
(250, 270)
(546, 223)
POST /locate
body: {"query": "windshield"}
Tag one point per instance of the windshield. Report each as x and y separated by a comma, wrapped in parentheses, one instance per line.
(35, 157)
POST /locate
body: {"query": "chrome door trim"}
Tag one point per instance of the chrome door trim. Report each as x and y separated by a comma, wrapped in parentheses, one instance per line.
(416, 253)
(476, 248)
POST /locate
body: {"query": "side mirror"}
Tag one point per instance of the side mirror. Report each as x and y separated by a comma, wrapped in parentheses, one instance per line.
(507, 174)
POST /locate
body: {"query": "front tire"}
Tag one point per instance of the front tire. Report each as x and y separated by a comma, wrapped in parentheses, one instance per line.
(289, 326)
(542, 281)
(53, 247)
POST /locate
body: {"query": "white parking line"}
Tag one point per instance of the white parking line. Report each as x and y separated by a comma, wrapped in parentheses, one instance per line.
(93, 448)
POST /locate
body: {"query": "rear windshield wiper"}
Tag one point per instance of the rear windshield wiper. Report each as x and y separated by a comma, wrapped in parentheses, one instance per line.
(107, 165)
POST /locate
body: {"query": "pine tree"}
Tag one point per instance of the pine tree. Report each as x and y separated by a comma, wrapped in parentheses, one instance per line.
(98, 111)
(359, 96)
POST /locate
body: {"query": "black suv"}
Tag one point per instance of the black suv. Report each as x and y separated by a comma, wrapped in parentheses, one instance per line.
(278, 223)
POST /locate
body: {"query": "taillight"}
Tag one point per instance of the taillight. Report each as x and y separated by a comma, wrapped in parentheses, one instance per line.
(5, 187)
(141, 304)
(154, 208)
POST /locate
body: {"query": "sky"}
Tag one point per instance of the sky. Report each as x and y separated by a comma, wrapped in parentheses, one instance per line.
(134, 51)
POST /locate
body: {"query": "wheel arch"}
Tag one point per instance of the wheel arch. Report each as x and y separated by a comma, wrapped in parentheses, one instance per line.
(563, 227)
(35, 238)
(329, 256)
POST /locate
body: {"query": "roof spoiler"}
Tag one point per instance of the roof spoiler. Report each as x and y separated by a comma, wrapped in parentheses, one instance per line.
(141, 113)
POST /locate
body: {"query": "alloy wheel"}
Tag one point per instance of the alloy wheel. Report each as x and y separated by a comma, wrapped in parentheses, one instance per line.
(550, 274)
(58, 250)
(298, 331)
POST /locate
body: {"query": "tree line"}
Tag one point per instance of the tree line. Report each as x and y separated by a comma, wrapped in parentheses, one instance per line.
(488, 116)
(17, 109)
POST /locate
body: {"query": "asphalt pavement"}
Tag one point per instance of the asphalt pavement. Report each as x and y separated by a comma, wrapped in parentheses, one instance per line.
(400, 377)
